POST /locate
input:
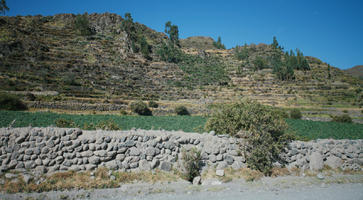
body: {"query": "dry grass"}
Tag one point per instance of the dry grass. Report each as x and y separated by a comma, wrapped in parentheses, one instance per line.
(84, 180)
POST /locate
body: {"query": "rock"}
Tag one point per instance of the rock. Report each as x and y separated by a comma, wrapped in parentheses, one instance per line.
(196, 180)
(154, 163)
(29, 164)
(101, 153)
(333, 162)
(10, 175)
(229, 159)
(212, 158)
(144, 165)
(134, 151)
(27, 178)
(94, 160)
(316, 161)
(166, 166)
(150, 151)
(112, 165)
(320, 176)
(12, 164)
(220, 172)
(222, 165)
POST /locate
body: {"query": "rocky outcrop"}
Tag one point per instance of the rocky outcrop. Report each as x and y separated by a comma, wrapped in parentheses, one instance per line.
(43, 150)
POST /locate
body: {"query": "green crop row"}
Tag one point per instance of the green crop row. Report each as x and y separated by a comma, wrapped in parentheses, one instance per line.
(303, 129)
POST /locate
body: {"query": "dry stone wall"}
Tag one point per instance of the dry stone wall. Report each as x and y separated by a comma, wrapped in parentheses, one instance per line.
(47, 150)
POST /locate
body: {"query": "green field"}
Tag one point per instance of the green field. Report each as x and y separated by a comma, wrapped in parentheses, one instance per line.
(302, 128)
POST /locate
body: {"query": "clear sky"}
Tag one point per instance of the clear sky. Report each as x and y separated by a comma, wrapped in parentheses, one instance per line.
(331, 30)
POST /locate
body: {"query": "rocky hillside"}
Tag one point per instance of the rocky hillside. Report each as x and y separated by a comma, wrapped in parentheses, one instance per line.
(356, 71)
(48, 57)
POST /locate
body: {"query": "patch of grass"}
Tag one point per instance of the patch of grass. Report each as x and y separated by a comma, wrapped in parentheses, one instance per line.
(83, 180)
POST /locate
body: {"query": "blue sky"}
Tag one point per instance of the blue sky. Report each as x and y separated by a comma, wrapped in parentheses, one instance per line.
(330, 30)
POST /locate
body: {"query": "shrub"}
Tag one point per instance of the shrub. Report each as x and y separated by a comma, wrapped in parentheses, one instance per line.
(181, 110)
(64, 123)
(262, 127)
(11, 102)
(82, 25)
(295, 114)
(245, 115)
(192, 163)
(140, 108)
(343, 118)
(107, 125)
(153, 104)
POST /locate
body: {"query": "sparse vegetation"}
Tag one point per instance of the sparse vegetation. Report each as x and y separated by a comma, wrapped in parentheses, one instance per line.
(192, 163)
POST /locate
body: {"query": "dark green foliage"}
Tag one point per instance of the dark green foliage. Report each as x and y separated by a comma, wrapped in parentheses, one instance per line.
(241, 53)
(3, 7)
(192, 163)
(295, 114)
(173, 32)
(11, 102)
(153, 104)
(65, 123)
(136, 36)
(262, 128)
(170, 53)
(282, 69)
(181, 110)
(259, 63)
(342, 118)
(82, 25)
(245, 115)
(275, 44)
(145, 48)
(140, 108)
(219, 44)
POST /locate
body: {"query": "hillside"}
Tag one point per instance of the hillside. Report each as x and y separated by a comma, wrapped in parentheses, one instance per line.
(356, 71)
(65, 70)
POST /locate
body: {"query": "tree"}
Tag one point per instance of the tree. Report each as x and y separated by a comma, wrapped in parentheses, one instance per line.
(275, 44)
(173, 32)
(3, 7)
(219, 44)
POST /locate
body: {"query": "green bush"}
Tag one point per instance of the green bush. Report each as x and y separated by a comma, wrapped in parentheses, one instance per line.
(65, 123)
(245, 115)
(342, 118)
(181, 110)
(153, 104)
(295, 114)
(140, 108)
(192, 163)
(11, 102)
(262, 127)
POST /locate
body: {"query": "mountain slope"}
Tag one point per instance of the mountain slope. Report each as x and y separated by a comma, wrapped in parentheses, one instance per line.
(356, 71)
(42, 54)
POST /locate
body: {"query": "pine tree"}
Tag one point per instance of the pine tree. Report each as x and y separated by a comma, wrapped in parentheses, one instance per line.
(3, 7)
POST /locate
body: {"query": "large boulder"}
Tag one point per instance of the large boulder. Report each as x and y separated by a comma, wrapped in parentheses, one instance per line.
(316, 161)
(333, 162)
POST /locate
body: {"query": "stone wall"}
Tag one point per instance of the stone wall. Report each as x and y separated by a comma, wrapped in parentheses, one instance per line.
(42, 150)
